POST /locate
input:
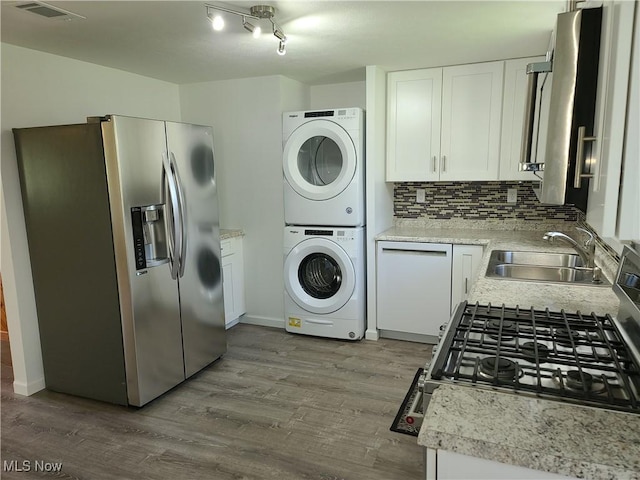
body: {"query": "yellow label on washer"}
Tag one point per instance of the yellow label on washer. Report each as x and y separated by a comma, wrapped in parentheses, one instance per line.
(295, 322)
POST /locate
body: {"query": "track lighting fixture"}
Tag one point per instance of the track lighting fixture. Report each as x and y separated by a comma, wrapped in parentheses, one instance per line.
(257, 12)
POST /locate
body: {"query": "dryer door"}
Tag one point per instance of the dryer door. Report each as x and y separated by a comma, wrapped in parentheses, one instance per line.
(319, 276)
(319, 160)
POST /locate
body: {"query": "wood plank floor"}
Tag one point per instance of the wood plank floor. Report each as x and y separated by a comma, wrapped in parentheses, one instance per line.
(276, 406)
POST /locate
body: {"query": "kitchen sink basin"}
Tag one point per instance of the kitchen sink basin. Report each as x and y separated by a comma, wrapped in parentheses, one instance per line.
(537, 258)
(543, 273)
(548, 267)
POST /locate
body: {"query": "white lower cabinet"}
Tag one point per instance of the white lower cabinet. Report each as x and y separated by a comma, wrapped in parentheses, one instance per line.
(445, 465)
(466, 260)
(414, 287)
(233, 280)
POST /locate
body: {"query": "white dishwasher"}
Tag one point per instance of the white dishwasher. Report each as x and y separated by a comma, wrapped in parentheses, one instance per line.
(413, 289)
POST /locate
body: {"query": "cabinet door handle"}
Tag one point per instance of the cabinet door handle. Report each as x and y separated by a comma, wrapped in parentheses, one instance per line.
(466, 285)
(444, 163)
(434, 163)
(579, 175)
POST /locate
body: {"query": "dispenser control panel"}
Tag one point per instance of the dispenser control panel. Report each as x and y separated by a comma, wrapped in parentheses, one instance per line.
(138, 238)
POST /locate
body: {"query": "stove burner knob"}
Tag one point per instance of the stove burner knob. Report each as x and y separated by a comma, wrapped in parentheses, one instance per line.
(421, 380)
(443, 327)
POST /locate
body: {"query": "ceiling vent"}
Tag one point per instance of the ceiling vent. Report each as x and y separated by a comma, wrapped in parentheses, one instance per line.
(48, 11)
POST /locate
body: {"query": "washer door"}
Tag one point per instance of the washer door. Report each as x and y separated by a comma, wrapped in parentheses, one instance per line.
(319, 276)
(319, 160)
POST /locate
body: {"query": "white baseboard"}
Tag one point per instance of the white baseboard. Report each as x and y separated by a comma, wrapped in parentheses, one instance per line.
(263, 321)
(371, 334)
(409, 337)
(232, 323)
(30, 388)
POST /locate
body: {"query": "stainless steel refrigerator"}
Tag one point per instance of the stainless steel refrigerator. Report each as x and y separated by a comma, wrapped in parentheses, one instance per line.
(121, 216)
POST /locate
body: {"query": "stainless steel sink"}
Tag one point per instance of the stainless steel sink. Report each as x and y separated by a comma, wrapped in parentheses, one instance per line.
(543, 273)
(540, 267)
(537, 258)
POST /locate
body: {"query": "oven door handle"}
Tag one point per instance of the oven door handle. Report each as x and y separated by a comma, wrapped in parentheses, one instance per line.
(413, 411)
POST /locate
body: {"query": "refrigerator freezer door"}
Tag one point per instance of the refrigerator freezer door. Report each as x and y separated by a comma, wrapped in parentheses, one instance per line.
(204, 339)
(149, 298)
(68, 223)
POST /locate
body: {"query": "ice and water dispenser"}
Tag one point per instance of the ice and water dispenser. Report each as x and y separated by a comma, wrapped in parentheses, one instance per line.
(149, 237)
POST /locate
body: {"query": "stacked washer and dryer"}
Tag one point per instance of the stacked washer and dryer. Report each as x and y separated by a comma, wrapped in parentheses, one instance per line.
(324, 212)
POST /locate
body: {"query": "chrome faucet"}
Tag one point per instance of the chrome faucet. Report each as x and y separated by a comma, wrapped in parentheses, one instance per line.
(586, 250)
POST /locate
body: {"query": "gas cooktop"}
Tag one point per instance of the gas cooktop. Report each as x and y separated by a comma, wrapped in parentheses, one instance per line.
(564, 356)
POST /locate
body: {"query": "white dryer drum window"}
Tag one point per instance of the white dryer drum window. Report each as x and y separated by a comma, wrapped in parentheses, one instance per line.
(323, 167)
(324, 281)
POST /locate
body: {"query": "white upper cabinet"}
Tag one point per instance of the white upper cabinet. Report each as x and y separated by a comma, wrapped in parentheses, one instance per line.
(614, 130)
(513, 104)
(471, 111)
(629, 212)
(413, 124)
(444, 123)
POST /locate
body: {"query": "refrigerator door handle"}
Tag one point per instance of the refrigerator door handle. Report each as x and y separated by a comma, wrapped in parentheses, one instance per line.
(182, 225)
(175, 242)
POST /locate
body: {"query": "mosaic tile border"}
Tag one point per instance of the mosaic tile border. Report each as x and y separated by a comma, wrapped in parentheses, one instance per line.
(477, 201)
(492, 224)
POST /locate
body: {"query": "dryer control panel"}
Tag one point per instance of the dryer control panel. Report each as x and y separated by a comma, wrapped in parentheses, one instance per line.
(319, 233)
(340, 113)
(336, 114)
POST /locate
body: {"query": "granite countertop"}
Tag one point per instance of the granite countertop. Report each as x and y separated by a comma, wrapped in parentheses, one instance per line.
(226, 233)
(527, 431)
(597, 299)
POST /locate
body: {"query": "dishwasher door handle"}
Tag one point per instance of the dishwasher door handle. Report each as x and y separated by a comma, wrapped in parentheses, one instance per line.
(440, 253)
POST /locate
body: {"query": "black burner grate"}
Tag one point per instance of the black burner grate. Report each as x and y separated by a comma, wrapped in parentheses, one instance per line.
(574, 357)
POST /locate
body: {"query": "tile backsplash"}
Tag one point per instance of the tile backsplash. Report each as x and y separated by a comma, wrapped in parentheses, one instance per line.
(477, 201)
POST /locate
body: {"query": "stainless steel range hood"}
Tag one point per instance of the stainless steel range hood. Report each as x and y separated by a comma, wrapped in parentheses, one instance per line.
(574, 67)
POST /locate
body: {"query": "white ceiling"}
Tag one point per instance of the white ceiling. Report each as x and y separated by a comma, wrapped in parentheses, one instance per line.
(329, 41)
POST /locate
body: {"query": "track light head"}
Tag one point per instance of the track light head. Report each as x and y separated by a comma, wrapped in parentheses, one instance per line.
(279, 34)
(249, 27)
(281, 48)
(217, 22)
